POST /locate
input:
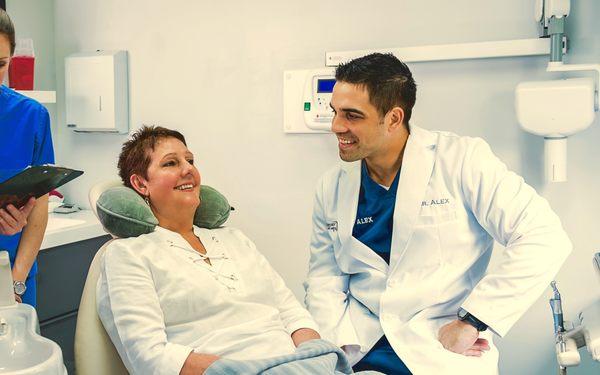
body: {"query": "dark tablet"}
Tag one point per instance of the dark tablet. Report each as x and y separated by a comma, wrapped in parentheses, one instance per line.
(34, 182)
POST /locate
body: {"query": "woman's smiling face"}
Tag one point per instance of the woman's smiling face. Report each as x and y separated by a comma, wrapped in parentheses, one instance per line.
(4, 56)
(173, 182)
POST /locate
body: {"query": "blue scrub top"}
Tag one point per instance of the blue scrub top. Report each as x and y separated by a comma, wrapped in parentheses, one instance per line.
(375, 214)
(25, 140)
(374, 227)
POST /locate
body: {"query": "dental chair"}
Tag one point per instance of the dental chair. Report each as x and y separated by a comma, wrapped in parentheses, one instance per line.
(94, 352)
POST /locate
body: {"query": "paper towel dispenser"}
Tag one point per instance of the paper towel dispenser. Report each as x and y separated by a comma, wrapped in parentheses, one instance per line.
(96, 92)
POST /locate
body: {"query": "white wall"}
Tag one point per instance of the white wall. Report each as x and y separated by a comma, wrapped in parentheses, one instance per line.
(214, 71)
(34, 19)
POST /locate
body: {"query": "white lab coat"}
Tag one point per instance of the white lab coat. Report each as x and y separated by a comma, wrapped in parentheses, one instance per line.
(454, 199)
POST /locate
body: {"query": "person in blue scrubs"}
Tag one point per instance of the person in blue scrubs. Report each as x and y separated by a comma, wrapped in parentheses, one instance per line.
(25, 140)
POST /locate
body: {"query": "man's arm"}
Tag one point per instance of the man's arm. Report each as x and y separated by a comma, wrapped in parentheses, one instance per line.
(326, 285)
(31, 239)
(522, 221)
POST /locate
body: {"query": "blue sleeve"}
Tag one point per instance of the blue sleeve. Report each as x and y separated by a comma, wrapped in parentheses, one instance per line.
(43, 152)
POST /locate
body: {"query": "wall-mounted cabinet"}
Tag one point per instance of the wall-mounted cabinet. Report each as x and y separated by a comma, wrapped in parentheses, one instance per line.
(96, 92)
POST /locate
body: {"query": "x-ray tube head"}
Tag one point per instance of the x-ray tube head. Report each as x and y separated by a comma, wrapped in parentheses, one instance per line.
(557, 108)
(554, 110)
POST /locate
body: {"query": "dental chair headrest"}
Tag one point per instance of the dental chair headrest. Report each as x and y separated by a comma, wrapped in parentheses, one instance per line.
(123, 212)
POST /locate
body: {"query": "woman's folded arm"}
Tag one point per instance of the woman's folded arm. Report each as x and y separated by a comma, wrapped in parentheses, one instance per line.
(129, 308)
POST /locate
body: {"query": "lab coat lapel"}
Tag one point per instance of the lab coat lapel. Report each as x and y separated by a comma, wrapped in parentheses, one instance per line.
(417, 167)
(347, 199)
(349, 189)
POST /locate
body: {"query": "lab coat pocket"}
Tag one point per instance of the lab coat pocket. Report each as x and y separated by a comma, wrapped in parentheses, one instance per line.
(435, 226)
(423, 253)
(434, 215)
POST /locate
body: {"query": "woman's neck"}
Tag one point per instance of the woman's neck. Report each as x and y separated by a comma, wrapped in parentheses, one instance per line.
(178, 228)
(182, 223)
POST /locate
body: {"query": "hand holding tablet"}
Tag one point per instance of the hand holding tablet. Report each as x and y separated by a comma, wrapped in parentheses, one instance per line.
(34, 182)
(12, 219)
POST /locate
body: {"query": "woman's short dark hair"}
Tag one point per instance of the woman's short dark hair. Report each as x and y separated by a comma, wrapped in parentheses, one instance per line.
(135, 154)
(7, 28)
(388, 81)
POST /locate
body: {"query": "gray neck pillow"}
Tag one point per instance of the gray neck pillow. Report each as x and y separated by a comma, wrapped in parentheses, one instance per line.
(123, 212)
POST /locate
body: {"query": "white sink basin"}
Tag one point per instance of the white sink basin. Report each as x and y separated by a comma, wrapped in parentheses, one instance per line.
(22, 350)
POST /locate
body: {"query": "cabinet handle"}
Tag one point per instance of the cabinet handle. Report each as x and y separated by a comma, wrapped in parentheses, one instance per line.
(56, 319)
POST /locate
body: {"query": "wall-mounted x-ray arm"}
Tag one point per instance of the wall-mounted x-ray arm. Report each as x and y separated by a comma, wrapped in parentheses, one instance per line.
(559, 108)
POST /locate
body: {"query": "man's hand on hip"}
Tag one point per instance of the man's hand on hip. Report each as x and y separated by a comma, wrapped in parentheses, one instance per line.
(462, 338)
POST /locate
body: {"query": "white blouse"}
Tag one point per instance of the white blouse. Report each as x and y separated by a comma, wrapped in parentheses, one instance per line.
(159, 300)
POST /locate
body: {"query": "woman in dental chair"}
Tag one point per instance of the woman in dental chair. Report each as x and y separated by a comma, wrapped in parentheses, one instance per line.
(175, 300)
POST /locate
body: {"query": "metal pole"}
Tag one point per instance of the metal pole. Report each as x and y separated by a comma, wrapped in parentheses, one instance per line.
(556, 29)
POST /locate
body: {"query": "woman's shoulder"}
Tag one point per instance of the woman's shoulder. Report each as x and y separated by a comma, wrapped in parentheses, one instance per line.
(142, 238)
(16, 101)
(136, 247)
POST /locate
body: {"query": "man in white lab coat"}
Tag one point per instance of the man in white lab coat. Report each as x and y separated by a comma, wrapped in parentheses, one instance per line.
(403, 232)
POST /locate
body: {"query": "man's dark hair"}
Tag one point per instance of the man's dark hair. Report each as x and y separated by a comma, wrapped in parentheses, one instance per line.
(8, 29)
(388, 81)
(135, 154)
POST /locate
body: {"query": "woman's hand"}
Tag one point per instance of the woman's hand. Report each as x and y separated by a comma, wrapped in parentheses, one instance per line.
(304, 334)
(197, 363)
(12, 220)
(18, 298)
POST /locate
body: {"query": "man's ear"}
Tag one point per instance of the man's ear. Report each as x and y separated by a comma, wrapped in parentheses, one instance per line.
(139, 184)
(395, 118)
